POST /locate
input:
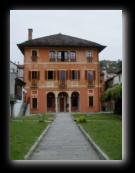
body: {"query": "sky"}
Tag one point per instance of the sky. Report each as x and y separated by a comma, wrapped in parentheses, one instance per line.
(101, 26)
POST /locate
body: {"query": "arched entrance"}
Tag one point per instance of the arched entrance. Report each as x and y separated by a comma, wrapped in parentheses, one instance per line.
(75, 102)
(50, 102)
(62, 102)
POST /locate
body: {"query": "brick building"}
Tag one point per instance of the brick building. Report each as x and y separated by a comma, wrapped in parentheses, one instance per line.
(61, 73)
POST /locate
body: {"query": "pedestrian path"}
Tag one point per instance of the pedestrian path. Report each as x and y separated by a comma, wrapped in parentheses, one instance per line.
(64, 141)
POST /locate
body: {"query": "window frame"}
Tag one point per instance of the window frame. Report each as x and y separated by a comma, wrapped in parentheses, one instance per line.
(89, 55)
(34, 105)
(91, 105)
(62, 56)
(89, 81)
(73, 56)
(34, 54)
(73, 75)
(52, 56)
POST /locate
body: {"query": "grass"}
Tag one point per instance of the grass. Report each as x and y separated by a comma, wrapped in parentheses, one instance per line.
(106, 131)
(34, 117)
(23, 134)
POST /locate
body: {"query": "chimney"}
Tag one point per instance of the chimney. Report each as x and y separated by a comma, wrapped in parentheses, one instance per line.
(30, 34)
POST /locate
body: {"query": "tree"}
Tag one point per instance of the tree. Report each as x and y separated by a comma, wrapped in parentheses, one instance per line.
(114, 94)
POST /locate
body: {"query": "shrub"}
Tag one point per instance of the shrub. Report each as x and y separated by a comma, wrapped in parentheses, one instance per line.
(82, 119)
(41, 121)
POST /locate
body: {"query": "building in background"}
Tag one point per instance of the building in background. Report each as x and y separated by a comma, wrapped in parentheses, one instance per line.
(20, 73)
(62, 73)
(17, 90)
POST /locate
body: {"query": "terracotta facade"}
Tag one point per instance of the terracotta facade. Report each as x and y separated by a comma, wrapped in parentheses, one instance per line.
(62, 79)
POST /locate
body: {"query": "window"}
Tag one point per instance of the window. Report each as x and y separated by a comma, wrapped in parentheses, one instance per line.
(52, 56)
(34, 76)
(90, 77)
(34, 103)
(89, 56)
(34, 55)
(18, 92)
(50, 75)
(75, 75)
(62, 76)
(72, 56)
(91, 103)
(62, 56)
(34, 52)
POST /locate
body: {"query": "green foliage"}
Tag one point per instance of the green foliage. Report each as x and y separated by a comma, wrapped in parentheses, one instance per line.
(22, 136)
(118, 64)
(103, 63)
(117, 92)
(114, 93)
(81, 119)
(106, 131)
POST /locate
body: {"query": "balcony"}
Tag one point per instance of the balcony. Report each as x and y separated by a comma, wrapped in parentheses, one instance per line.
(90, 83)
(52, 59)
(62, 83)
(89, 59)
(34, 83)
(34, 58)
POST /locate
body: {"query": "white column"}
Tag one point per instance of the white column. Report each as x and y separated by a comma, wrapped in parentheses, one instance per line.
(79, 103)
(69, 102)
(56, 104)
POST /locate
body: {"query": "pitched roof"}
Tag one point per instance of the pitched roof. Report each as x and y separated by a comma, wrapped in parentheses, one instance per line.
(19, 81)
(20, 66)
(60, 40)
(112, 70)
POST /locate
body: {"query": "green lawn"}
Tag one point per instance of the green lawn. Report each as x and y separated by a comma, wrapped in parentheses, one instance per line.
(23, 134)
(106, 131)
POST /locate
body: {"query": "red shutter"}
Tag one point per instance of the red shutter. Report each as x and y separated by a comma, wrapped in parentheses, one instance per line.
(86, 74)
(45, 74)
(54, 75)
(78, 74)
(29, 75)
(70, 74)
(58, 74)
(94, 75)
(66, 74)
(38, 75)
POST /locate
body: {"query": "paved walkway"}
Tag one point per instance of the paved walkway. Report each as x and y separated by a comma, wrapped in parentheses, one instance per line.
(64, 141)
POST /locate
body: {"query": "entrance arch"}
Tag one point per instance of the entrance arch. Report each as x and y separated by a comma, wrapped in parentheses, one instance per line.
(50, 102)
(75, 102)
(62, 102)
